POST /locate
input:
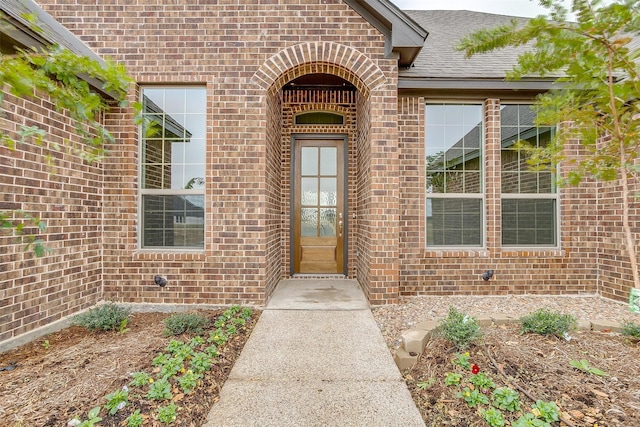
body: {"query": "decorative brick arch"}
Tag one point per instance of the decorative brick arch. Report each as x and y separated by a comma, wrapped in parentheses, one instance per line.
(319, 57)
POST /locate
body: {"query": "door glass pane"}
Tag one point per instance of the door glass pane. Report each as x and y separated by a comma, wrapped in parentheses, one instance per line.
(328, 191)
(309, 222)
(309, 161)
(309, 191)
(327, 222)
(328, 161)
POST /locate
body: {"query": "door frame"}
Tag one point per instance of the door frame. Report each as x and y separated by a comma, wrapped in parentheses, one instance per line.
(345, 194)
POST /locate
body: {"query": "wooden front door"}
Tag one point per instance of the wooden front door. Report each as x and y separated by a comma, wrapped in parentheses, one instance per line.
(319, 218)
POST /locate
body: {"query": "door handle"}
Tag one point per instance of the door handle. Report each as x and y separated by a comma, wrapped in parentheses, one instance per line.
(340, 228)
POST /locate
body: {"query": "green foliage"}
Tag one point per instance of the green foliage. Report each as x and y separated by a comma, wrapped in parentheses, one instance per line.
(583, 365)
(493, 417)
(473, 397)
(180, 323)
(529, 420)
(105, 317)
(189, 381)
(451, 378)
(459, 329)
(200, 362)
(135, 419)
(140, 379)
(218, 337)
(160, 390)
(482, 381)
(172, 366)
(116, 400)
(55, 71)
(462, 360)
(92, 418)
(168, 414)
(546, 411)
(545, 322)
(597, 98)
(506, 398)
(631, 329)
(423, 385)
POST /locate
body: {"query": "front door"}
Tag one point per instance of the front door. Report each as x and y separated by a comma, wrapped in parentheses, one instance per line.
(319, 217)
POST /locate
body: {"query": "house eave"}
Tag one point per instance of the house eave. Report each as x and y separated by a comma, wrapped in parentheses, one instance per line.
(404, 38)
(40, 32)
(498, 84)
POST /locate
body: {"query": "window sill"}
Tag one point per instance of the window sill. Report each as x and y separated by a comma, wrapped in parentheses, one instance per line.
(532, 252)
(169, 255)
(456, 253)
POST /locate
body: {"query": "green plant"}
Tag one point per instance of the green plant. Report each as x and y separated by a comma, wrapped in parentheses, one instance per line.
(462, 360)
(246, 313)
(189, 381)
(200, 362)
(546, 322)
(451, 378)
(172, 366)
(583, 365)
(212, 351)
(160, 390)
(472, 397)
(458, 328)
(135, 419)
(423, 385)
(529, 420)
(160, 359)
(506, 398)
(92, 420)
(123, 327)
(218, 337)
(140, 379)
(168, 414)
(181, 323)
(105, 317)
(546, 411)
(482, 381)
(116, 400)
(631, 329)
(493, 417)
(196, 342)
(46, 345)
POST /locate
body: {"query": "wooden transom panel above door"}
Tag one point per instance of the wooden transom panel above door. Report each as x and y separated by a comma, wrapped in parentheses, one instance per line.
(319, 224)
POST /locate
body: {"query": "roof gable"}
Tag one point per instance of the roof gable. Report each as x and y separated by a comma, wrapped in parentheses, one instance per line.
(404, 37)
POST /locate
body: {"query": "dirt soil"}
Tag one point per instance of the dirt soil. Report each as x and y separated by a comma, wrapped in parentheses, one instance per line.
(538, 365)
(49, 381)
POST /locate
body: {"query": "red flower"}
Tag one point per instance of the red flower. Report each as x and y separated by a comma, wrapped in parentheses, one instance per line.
(475, 369)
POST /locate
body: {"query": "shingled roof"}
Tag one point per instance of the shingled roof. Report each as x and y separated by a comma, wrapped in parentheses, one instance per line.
(439, 64)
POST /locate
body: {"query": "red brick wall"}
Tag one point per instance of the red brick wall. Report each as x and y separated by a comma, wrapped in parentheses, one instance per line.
(244, 52)
(64, 191)
(571, 269)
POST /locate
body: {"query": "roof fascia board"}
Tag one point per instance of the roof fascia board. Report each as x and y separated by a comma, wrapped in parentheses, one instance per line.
(403, 35)
(45, 31)
(478, 84)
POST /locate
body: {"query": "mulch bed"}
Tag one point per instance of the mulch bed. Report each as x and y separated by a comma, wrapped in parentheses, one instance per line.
(67, 373)
(539, 365)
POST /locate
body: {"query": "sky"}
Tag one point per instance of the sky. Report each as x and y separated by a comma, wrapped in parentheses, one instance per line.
(526, 8)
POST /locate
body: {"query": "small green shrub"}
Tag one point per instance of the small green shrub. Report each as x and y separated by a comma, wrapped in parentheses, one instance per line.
(181, 323)
(106, 317)
(545, 322)
(506, 398)
(493, 417)
(168, 414)
(458, 328)
(135, 420)
(631, 329)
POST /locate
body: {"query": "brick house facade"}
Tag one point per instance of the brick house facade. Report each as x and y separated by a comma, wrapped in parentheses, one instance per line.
(270, 75)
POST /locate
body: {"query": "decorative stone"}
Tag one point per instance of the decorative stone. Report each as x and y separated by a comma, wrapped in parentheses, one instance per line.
(606, 326)
(427, 325)
(503, 319)
(414, 340)
(404, 360)
(484, 321)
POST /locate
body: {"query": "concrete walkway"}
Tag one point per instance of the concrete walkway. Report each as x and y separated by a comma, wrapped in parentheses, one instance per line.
(315, 358)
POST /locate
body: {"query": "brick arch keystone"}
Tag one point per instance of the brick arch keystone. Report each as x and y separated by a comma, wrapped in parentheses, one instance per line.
(319, 57)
